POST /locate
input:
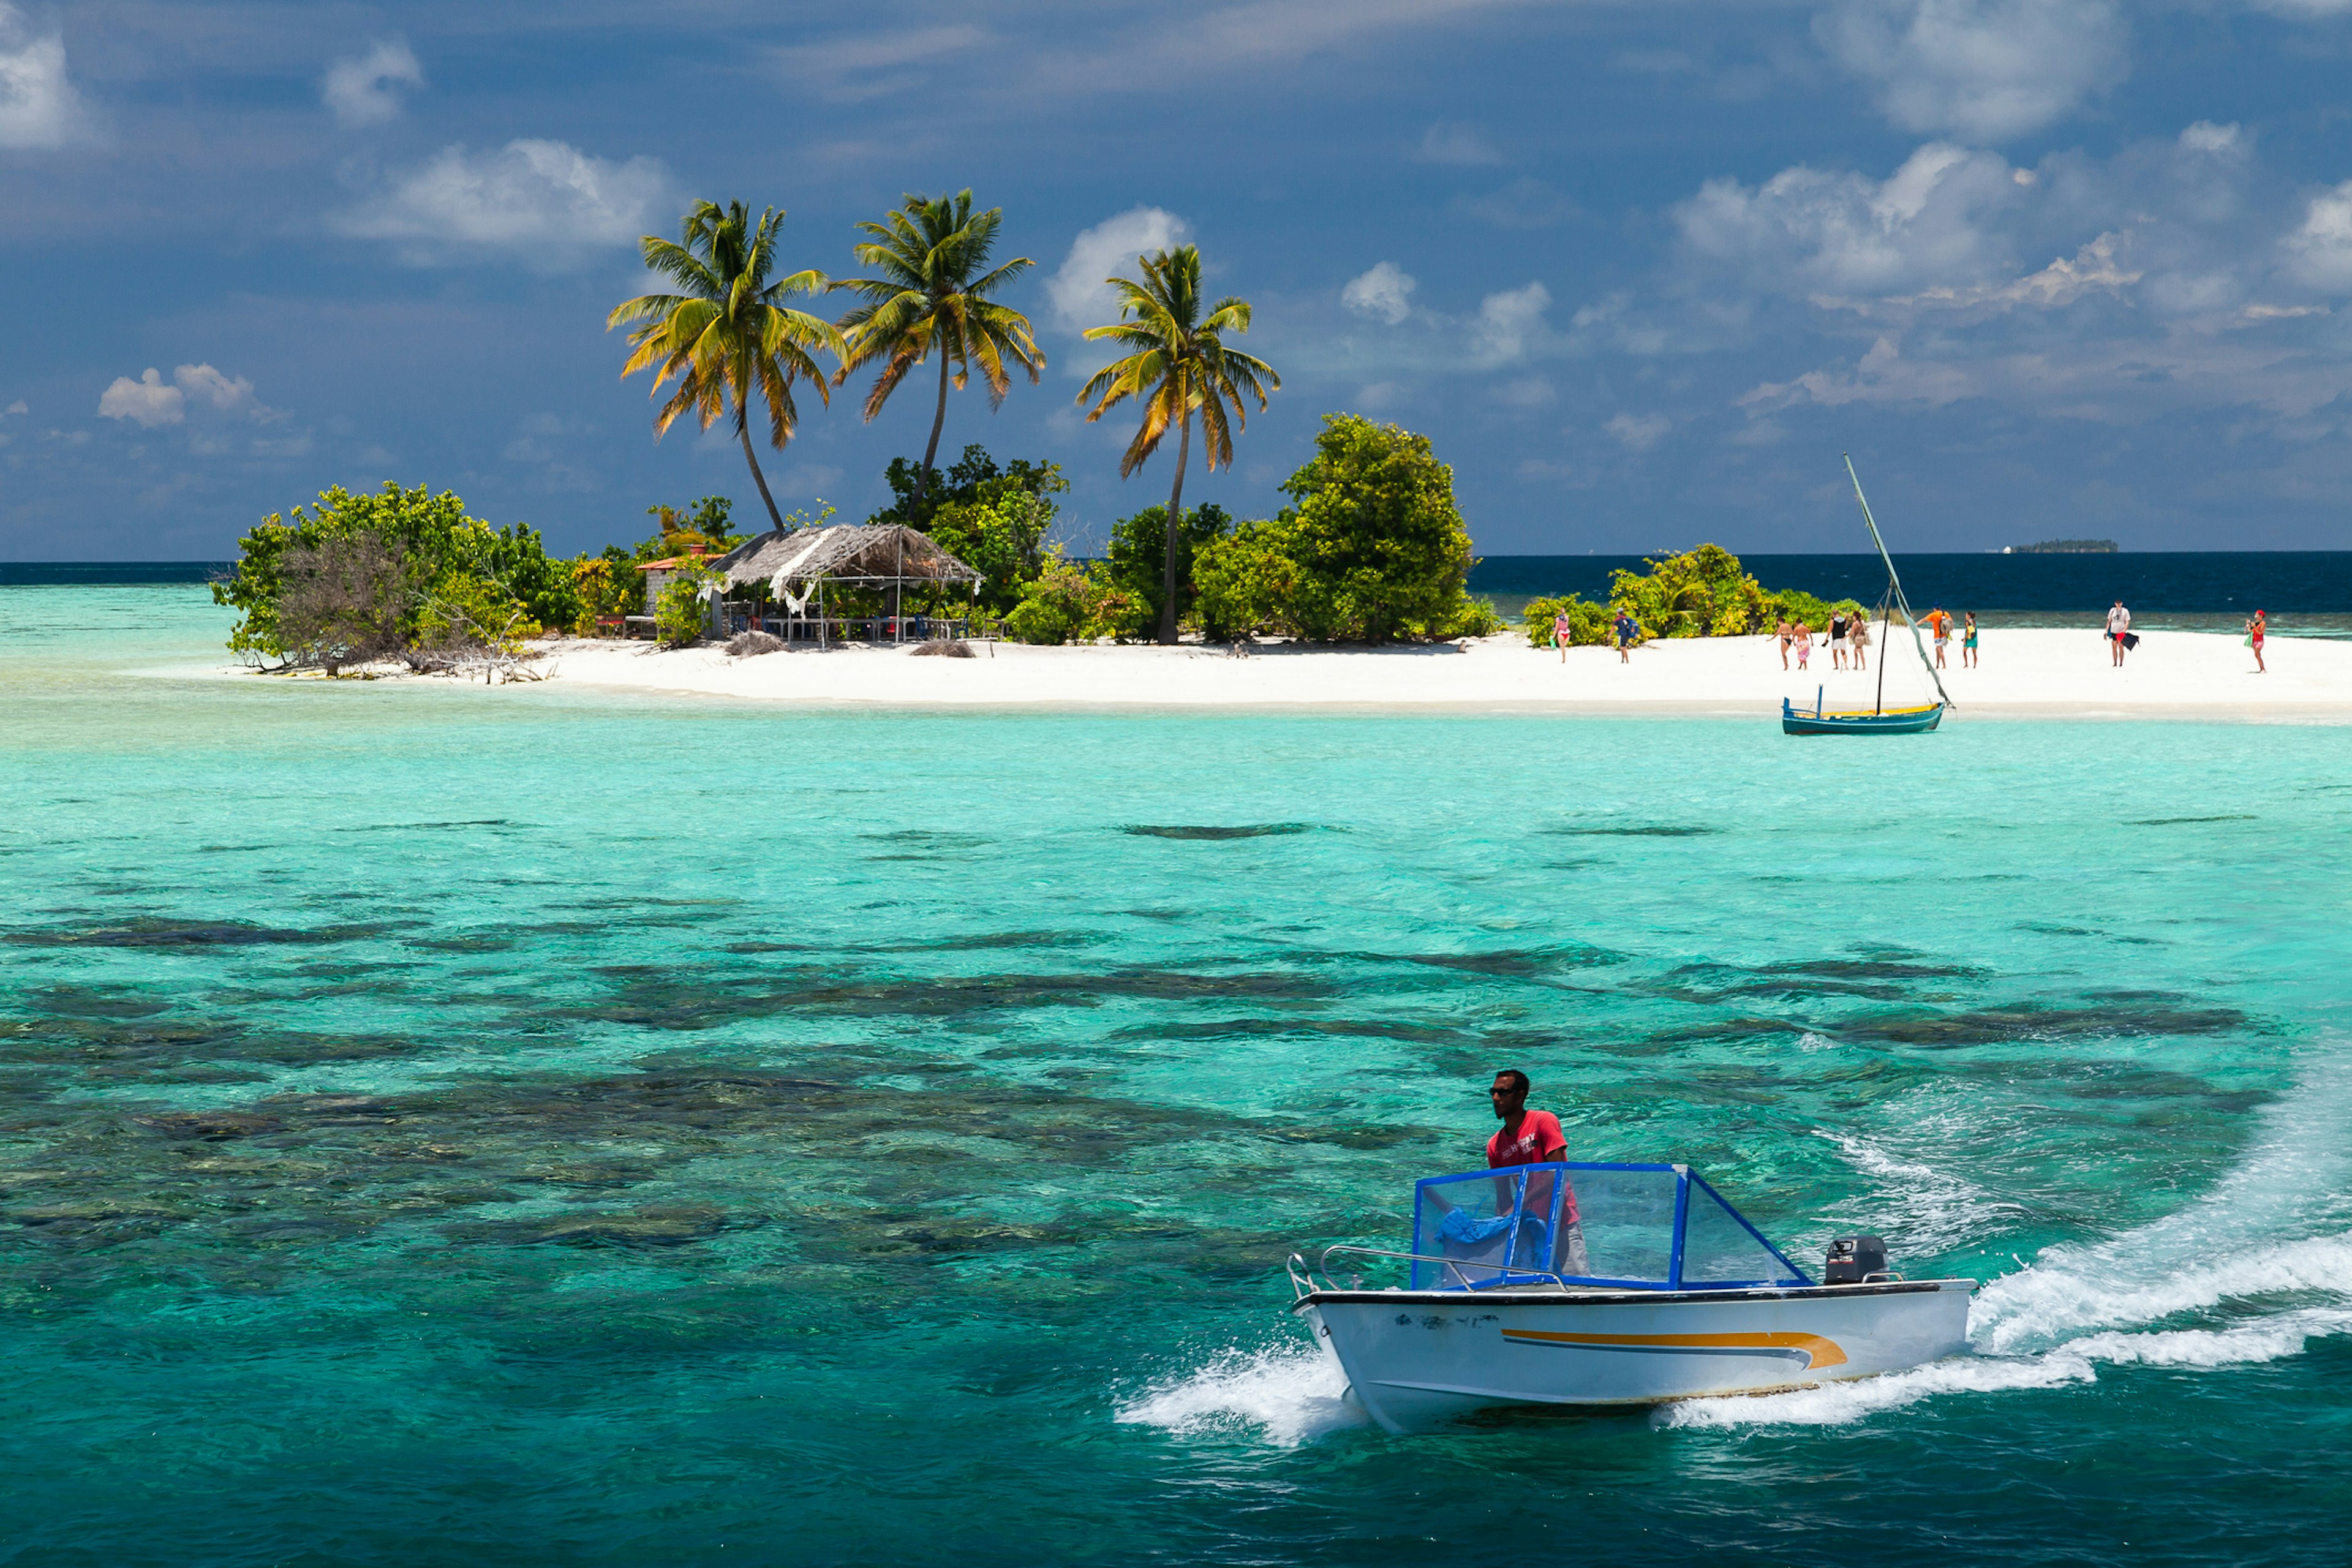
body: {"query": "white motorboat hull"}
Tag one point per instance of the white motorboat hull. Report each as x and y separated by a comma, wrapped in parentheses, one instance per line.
(1417, 1358)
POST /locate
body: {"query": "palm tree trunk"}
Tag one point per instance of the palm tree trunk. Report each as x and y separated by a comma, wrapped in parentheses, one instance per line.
(743, 429)
(939, 417)
(1175, 518)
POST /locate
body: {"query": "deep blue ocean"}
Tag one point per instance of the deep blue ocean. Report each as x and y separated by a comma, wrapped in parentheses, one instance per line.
(2207, 582)
(452, 1125)
(2213, 582)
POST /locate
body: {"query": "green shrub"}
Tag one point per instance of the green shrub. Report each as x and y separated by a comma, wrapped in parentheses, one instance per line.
(1374, 551)
(1589, 625)
(681, 614)
(433, 538)
(1246, 577)
(1135, 562)
(1056, 605)
(1704, 592)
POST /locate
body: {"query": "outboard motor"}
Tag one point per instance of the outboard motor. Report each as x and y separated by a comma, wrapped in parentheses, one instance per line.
(1854, 1259)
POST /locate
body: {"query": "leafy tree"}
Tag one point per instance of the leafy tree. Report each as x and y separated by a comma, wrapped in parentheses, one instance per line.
(1178, 363)
(344, 602)
(433, 538)
(962, 483)
(1135, 561)
(1374, 549)
(931, 296)
(1003, 538)
(728, 331)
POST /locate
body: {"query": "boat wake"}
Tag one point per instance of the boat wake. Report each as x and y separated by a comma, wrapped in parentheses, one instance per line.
(1286, 1394)
(2265, 1255)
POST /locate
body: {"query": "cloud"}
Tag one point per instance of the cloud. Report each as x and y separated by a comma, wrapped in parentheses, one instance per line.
(1385, 292)
(1985, 70)
(2320, 252)
(360, 90)
(1081, 298)
(1809, 229)
(1525, 203)
(1882, 376)
(1527, 392)
(151, 400)
(38, 105)
(1510, 325)
(847, 70)
(2063, 281)
(547, 202)
(147, 400)
(1457, 144)
(16, 407)
(1639, 433)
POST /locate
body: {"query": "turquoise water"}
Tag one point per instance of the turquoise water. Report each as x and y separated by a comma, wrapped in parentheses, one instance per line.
(441, 1125)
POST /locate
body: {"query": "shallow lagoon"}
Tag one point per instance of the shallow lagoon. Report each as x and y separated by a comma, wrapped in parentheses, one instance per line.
(450, 1125)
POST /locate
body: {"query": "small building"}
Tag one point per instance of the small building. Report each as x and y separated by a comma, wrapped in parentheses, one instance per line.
(659, 572)
(798, 567)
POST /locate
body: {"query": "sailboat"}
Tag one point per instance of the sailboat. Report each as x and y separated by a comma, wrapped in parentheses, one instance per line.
(1881, 720)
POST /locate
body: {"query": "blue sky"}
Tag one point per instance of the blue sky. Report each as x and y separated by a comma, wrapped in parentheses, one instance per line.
(2048, 267)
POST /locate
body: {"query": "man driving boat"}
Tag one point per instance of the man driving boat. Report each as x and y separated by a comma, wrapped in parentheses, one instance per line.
(1534, 1138)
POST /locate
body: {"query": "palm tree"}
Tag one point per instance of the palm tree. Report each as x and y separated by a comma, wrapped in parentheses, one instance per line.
(932, 294)
(1181, 363)
(728, 329)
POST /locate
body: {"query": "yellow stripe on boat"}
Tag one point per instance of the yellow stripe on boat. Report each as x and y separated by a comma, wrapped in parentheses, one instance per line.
(1883, 713)
(1820, 1352)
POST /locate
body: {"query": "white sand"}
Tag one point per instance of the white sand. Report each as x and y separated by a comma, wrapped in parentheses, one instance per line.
(2184, 674)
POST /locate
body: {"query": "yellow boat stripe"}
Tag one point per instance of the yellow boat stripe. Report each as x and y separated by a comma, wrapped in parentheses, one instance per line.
(1820, 1352)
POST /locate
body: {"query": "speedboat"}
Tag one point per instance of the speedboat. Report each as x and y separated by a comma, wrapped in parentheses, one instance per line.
(1607, 1286)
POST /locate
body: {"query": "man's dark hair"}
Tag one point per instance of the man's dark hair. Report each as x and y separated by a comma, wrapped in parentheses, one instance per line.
(1518, 1079)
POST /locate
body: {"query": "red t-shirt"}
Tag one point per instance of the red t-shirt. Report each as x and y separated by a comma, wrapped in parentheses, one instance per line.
(1538, 1139)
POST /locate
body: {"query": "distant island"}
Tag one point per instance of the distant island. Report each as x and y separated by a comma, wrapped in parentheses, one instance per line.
(2062, 547)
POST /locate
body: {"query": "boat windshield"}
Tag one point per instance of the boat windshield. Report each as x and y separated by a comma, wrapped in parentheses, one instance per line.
(1647, 1228)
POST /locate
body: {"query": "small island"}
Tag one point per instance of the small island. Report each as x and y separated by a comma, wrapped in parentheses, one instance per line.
(2065, 547)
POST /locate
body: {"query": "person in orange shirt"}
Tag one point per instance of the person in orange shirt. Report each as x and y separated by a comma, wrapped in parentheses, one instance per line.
(1939, 627)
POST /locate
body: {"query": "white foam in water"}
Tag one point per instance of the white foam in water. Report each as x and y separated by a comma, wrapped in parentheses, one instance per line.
(1290, 1392)
(1921, 1209)
(2056, 1321)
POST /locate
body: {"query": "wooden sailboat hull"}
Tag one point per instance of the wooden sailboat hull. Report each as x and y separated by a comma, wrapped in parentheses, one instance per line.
(1795, 721)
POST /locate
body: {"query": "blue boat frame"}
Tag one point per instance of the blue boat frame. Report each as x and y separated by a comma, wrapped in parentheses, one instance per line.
(1685, 1177)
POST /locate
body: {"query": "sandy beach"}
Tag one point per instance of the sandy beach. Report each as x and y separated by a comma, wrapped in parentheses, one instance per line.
(2048, 672)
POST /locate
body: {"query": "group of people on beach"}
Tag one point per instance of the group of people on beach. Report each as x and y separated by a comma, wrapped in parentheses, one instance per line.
(1848, 638)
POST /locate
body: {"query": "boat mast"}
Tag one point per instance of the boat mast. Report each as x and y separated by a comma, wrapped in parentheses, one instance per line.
(1894, 585)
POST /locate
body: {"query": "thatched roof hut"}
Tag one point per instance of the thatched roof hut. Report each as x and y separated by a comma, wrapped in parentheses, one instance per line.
(891, 556)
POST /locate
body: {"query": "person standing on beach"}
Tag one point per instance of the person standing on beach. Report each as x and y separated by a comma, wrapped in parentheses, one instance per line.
(1939, 627)
(1627, 630)
(1802, 635)
(2118, 628)
(1781, 630)
(1969, 642)
(1837, 640)
(1860, 638)
(1560, 631)
(2255, 629)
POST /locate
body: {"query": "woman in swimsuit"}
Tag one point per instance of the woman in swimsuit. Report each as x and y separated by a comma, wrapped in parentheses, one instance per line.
(2254, 630)
(1860, 638)
(1802, 635)
(1969, 642)
(1780, 629)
